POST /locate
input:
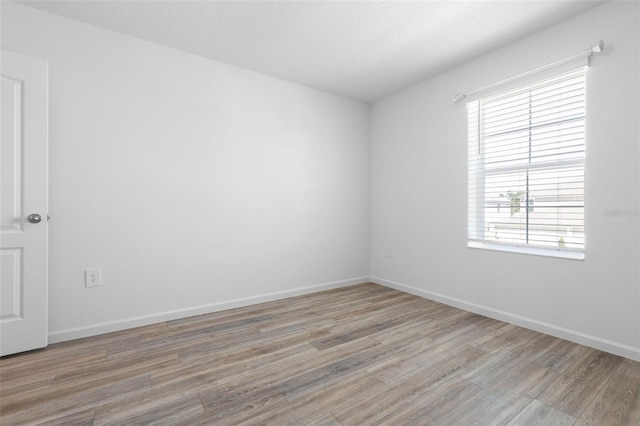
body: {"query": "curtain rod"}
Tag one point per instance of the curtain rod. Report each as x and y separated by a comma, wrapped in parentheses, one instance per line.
(597, 48)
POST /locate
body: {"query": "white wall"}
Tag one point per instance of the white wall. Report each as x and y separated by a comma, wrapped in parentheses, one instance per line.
(191, 183)
(419, 185)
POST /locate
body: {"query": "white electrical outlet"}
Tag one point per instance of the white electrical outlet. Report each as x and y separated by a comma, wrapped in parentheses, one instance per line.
(92, 277)
(388, 251)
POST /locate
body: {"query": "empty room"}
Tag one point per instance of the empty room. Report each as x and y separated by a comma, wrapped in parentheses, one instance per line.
(320, 212)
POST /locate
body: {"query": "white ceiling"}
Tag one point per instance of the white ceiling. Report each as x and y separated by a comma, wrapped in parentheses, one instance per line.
(359, 49)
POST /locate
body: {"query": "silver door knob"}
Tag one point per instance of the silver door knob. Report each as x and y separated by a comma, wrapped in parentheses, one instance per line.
(34, 218)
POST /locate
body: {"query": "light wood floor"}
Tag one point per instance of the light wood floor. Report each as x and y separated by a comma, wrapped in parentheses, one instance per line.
(362, 355)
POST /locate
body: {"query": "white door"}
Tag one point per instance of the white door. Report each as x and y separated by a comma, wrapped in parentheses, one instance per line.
(23, 203)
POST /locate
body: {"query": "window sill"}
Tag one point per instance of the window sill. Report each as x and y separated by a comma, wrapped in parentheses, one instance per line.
(534, 251)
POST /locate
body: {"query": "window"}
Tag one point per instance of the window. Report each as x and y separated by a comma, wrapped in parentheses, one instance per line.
(526, 168)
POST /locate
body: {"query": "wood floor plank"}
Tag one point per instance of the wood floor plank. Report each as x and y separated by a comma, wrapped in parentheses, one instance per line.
(26, 383)
(491, 343)
(629, 368)
(262, 369)
(490, 407)
(428, 357)
(429, 408)
(314, 379)
(54, 406)
(167, 409)
(574, 390)
(212, 329)
(243, 348)
(408, 309)
(114, 369)
(231, 400)
(618, 403)
(528, 379)
(46, 366)
(460, 324)
(368, 305)
(80, 418)
(559, 354)
(336, 339)
(514, 332)
(539, 414)
(458, 336)
(326, 420)
(389, 399)
(212, 348)
(385, 399)
(494, 367)
(208, 374)
(363, 354)
(307, 409)
(62, 391)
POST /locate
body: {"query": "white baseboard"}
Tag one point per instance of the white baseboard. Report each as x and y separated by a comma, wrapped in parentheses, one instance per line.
(542, 327)
(107, 327)
(550, 329)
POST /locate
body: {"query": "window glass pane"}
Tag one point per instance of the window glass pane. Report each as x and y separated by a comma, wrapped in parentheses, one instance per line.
(556, 215)
(503, 207)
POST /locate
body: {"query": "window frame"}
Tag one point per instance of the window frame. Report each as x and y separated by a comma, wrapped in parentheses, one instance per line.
(477, 174)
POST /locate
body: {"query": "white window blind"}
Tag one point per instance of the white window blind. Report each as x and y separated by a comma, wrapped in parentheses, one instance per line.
(526, 166)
